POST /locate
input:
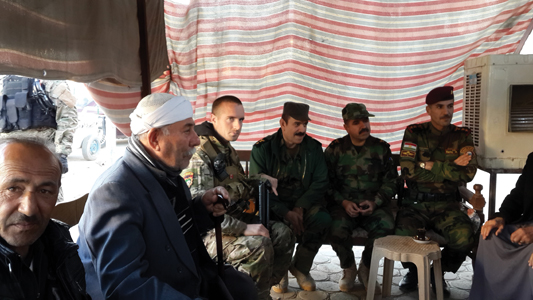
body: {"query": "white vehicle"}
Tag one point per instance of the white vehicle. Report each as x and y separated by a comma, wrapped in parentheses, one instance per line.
(90, 134)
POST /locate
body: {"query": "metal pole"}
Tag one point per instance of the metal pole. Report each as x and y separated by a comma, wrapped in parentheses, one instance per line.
(144, 56)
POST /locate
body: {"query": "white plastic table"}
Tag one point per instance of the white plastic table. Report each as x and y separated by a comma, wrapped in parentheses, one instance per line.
(405, 249)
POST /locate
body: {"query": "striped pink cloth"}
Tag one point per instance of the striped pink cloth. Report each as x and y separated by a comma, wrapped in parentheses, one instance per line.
(385, 54)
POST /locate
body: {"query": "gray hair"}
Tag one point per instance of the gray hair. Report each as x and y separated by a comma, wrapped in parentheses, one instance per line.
(15, 137)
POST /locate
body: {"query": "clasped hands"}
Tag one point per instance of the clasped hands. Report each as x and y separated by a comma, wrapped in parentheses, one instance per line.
(365, 208)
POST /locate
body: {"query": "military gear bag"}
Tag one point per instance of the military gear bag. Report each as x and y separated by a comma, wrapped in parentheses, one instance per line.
(25, 105)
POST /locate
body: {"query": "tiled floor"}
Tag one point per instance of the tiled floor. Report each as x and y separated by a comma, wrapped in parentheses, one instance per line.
(327, 272)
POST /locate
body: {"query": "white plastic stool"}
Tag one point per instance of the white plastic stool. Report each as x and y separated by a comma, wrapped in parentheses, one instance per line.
(405, 249)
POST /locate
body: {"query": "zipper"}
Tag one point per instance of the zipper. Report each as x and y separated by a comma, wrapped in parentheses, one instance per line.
(15, 280)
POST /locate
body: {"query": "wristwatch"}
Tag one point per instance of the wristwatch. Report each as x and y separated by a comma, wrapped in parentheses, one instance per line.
(423, 165)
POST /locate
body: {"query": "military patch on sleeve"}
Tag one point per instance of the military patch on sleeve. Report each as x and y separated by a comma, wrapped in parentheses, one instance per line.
(188, 177)
(407, 153)
(467, 149)
(409, 146)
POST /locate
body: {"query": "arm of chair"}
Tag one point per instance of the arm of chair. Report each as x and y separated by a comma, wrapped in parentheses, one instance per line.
(475, 199)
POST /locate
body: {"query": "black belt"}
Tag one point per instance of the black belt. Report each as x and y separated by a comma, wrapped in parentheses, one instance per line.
(436, 197)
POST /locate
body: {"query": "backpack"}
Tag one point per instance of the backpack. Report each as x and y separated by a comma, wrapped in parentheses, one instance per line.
(25, 105)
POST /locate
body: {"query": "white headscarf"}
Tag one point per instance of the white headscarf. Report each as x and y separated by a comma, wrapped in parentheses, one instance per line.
(146, 117)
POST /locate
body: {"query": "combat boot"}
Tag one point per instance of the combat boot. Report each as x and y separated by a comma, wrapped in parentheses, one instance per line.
(347, 281)
(363, 277)
(283, 286)
(306, 282)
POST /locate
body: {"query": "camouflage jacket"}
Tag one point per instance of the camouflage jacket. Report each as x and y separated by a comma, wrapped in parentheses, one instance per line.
(200, 176)
(302, 180)
(368, 175)
(66, 114)
(423, 142)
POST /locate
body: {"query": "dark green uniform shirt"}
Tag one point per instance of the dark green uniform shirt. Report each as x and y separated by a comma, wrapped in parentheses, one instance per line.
(302, 178)
(368, 174)
(423, 142)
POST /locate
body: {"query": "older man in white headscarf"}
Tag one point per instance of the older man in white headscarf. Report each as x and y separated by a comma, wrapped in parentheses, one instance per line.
(140, 232)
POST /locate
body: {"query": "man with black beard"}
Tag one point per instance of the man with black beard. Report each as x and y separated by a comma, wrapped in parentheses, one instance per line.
(140, 231)
(294, 164)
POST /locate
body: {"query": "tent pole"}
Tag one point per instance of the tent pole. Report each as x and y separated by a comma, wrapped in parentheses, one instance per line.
(143, 49)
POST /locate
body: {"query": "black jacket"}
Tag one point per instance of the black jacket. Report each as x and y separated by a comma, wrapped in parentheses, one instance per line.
(518, 205)
(56, 264)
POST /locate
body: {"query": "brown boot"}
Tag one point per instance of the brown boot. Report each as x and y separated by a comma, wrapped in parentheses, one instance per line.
(347, 281)
(283, 286)
(306, 282)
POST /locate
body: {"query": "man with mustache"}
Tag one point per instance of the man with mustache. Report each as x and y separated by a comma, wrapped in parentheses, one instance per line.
(295, 166)
(363, 180)
(38, 259)
(436, 158)
(248, 245)
(140, 230)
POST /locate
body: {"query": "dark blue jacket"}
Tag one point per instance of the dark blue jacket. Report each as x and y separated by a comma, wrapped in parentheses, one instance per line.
(131, 242)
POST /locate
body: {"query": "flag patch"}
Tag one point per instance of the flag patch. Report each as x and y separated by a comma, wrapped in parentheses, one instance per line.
(409, 146)
(188, 177)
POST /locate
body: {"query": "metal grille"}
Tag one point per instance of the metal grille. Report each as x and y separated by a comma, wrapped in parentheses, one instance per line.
(472, 104)
(521, 113)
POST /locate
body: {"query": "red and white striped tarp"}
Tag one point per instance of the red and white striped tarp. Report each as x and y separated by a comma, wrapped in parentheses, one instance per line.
(385, 54)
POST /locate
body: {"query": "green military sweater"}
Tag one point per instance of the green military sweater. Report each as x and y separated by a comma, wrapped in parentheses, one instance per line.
(423, 142)
(357, 176)
(302, 179)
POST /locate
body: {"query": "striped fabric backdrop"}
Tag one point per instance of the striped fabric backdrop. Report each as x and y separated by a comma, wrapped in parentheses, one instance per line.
(385, 54)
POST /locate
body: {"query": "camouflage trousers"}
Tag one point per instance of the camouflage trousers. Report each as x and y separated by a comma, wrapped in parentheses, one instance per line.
(317, 222)
(67, 122)
(379, 224)
(266, 260)
(445, 218)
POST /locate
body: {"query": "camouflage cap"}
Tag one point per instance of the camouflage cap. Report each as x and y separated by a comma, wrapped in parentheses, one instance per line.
(442, 93)
(355, 111)
(298, 111)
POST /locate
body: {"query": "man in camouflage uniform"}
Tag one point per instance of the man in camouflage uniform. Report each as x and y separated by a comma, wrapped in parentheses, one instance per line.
(436, 158)
(66, 117)
(248, 246)
(363, 179)
(295, 166)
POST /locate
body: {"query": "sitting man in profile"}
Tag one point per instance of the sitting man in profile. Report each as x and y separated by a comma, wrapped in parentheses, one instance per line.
(38, 259)
(504, 262)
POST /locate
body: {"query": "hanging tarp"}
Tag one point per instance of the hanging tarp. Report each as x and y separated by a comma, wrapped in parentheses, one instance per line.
(385, 54)
(82, 40)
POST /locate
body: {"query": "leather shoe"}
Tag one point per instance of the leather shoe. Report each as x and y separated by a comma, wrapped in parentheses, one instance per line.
(445, 288)
(409, 281)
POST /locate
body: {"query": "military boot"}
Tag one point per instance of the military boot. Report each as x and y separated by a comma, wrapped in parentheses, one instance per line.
(306, 282)
(283, 286)
(363, 277)
(346, 283)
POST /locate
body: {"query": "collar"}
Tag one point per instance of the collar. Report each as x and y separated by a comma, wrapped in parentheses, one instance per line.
(207, 129)
(435, 131)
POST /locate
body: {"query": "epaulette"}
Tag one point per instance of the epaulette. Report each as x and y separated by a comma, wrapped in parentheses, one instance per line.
(261, 141)
(466, 130)
(415, 127)
(334, 142)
